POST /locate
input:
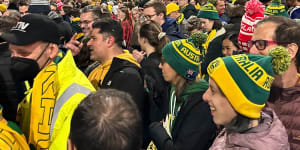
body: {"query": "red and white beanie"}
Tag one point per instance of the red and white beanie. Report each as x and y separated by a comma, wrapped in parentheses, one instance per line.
(254, 12)
(59, 4)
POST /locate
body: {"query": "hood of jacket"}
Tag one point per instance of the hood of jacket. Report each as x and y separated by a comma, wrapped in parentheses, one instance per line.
(199, 86)
(270, 134)
(126, 55)
(168, 22)
(172, 29)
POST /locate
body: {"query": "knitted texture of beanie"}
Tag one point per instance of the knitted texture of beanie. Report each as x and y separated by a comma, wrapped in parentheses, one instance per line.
(245, 80)
(171, 7)
(276, 9)
(184, 56)
(209, 11)
(254, 12)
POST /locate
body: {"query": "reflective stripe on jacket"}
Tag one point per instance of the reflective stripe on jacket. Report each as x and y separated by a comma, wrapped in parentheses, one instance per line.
(50, 122)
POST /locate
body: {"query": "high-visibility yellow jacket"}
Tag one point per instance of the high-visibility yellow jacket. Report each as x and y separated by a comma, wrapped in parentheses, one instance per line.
(56, 92)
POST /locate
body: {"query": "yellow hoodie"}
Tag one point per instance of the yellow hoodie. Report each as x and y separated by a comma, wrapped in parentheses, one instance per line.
(98, 74)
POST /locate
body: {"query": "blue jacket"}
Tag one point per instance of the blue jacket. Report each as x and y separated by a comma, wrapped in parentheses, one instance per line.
(172, 29)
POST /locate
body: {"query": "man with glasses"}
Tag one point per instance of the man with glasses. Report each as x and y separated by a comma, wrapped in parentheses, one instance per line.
(56, 85)
(89, 14)
(156, 11)
(285, 90)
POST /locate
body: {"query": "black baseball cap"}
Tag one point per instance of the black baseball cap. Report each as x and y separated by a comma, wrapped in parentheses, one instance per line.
(32, 28)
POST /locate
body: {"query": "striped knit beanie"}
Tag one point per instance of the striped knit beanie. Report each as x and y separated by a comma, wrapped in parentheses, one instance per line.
(184, 56)
(254, 12)
(245, 80)
(209, 11)
(276, 9)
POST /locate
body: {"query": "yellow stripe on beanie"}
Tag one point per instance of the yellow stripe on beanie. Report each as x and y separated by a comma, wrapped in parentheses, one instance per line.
(219, 73)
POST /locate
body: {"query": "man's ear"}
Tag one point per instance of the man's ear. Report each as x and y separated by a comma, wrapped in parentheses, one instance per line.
(53, 50)
(71, 146)
(161, 16)
(293, 49)
(110, 41)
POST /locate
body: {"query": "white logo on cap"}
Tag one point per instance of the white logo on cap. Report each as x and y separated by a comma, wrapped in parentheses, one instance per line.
(21, 26)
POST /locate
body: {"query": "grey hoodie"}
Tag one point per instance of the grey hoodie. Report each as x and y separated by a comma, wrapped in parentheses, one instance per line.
(270, 134)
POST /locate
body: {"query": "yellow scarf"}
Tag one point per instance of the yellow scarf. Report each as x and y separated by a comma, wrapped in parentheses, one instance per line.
(44, 96)
(180, 18)
(97, 76)
(9, 138)
(198, 6)
(210, 36)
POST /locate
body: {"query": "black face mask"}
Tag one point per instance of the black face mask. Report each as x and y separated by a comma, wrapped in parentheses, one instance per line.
(24, 68)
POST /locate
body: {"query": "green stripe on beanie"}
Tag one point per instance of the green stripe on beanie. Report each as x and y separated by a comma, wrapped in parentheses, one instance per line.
(246, 79)
(209, 11)
(259, 92)
(183, 57)
(276, 9)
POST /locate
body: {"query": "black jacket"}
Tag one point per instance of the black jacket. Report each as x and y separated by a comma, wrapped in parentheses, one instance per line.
(189, 10)
(126, 76)
(157, 88)
(8, 94)
(193, 129)
(214, 51)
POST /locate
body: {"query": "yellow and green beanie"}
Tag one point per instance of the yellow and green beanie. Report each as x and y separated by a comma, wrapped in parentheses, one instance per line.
(245, 80)
(184, 56)
(276, 9)
(209, 11)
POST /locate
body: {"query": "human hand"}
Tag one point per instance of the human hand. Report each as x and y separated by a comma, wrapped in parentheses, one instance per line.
(138, 55)
(74, 45)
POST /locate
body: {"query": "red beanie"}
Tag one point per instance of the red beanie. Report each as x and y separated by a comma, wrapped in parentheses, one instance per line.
(254, 12)
(59, 4)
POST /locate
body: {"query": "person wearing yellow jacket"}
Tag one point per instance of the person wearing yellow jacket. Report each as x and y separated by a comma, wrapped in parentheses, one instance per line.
(11, 137)
(58, 85)
(118, 69)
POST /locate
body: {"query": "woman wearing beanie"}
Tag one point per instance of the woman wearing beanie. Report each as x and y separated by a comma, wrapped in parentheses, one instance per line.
(188, 124)
(212, 24)
(239, 87)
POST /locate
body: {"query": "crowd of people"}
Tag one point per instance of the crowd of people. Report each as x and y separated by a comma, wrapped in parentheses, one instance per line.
(149, 74)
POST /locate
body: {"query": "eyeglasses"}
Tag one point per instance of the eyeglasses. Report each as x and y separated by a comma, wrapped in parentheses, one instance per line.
(262, 44)
(148, 16)
(85, 22)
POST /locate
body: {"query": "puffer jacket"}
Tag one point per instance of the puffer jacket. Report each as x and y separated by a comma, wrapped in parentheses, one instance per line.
(270, 134)
(286, 104)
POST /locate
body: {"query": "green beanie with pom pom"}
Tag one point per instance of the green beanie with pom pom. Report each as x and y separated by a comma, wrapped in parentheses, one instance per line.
(209, 11)
(276, 9)
(246, 80)
(184, 56)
